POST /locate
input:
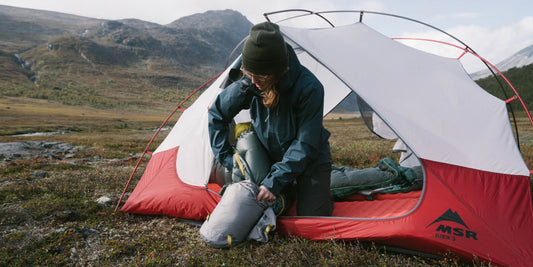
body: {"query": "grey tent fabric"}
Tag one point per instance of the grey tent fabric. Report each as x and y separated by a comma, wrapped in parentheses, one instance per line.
(454, 107)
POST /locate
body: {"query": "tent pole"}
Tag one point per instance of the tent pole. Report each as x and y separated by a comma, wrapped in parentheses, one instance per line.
(298, 10)
(155, 135)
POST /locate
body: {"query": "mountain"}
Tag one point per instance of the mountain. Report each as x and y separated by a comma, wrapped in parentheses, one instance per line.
(113, 63)
(22, 28)
(521, 58)
(224, 29)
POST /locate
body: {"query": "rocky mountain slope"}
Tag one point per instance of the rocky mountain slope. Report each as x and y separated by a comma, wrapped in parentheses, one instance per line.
(103, 63)
(22, 29)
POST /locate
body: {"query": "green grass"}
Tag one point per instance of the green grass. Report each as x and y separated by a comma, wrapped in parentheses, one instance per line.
(53, 218)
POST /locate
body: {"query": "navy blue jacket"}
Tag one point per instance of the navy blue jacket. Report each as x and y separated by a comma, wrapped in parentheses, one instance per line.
(292, 132)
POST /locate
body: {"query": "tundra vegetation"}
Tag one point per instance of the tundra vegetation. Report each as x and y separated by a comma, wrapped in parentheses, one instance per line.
(58, 209)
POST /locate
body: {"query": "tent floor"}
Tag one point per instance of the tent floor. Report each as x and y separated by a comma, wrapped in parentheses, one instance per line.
(357, 206)
(382, 206)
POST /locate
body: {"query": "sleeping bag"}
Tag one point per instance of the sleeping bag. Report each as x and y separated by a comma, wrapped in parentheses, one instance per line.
(388, 177)
(250, 160)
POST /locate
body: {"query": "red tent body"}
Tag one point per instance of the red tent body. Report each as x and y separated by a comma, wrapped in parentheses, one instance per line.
(469, 212)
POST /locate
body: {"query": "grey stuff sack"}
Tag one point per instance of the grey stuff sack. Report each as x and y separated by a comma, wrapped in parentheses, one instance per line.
(238, 217)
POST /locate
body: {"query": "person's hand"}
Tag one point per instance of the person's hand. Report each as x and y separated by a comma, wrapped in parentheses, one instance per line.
(265, 194)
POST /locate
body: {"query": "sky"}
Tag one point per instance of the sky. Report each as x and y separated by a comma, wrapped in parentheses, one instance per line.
(495, 29)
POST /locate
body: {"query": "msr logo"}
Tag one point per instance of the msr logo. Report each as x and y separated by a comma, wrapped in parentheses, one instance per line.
(445, 230)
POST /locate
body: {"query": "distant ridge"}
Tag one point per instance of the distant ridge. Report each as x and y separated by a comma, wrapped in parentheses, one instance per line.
(519, 59)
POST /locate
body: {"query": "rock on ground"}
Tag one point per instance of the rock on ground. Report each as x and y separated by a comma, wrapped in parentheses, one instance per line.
(30, 149)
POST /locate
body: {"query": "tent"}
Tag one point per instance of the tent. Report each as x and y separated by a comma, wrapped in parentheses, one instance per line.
(476, 199)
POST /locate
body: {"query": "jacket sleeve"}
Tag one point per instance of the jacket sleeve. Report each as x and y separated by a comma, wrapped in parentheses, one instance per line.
(227, 104)
(307, 144)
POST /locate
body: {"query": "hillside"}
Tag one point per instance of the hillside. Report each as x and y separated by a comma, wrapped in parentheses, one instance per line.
(522, 80)
(129, 64)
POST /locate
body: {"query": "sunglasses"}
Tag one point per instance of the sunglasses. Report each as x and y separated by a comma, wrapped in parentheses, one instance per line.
(260, 78)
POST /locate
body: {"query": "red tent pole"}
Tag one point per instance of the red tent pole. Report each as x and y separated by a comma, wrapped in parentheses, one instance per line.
(180, 106)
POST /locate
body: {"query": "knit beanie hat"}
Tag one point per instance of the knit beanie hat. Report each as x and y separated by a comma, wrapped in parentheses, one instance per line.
(265, 51)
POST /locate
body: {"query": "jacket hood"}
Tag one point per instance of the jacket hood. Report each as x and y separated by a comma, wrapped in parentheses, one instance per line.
(288, 80)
